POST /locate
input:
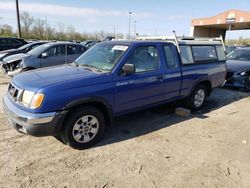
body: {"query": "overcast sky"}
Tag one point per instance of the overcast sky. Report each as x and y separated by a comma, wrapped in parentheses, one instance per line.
(151, 17)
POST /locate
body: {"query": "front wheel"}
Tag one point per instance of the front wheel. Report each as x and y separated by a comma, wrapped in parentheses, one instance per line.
(83, 128)
(197, 99)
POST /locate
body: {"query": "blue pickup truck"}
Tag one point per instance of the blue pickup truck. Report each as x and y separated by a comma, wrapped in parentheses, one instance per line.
(75, 102)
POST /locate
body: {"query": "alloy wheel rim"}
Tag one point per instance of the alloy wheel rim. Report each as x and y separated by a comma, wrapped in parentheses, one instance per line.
(199, 98)
(85, 129)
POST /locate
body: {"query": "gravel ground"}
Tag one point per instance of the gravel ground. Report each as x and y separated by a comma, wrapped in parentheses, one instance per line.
(151, 148)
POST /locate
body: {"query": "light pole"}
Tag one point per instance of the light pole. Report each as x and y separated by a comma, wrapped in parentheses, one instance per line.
(134, 29)
(18, 20)
(129, 20)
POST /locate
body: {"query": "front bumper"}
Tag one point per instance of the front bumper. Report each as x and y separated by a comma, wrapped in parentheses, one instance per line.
(237, 81)
(35, 124)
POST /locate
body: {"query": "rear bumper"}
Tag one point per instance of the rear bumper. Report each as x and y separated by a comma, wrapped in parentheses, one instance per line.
(36, 124)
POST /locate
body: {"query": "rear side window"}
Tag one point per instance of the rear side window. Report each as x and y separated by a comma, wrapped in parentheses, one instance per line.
(186, 54)
(171, 63)
(71, 50)
(204, 53)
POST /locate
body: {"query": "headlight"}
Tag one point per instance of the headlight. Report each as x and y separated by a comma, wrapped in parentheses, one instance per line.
(31, 99)
(243, 73)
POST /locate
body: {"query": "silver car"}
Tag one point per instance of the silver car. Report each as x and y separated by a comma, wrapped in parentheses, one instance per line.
(49, 54)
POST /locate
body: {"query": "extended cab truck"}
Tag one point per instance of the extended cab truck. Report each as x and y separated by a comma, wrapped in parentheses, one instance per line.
(75, 102)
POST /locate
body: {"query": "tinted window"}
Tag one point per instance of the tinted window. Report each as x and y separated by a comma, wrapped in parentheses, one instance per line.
(5, 41)
(186, 55)
(144, 59)
(204, 53)
(56, 50)
(60, 50)
(75, 50)
(240, 55)
(171, 64)
(14, 41)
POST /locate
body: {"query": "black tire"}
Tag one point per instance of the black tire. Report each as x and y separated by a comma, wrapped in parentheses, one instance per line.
(73, 120)
(59, 138)
(246, 84)
(190, 101)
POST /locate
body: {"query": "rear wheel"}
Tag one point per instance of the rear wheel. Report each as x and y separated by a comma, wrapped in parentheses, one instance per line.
(197, 99)
(83, 128)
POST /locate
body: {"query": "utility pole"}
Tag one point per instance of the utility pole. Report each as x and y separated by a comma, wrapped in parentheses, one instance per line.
(18, 20)
(129, 22)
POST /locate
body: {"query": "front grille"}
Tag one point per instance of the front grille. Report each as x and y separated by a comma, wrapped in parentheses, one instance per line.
(14, 92)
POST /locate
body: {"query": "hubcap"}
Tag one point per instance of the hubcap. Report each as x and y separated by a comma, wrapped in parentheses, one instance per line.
(199, 98)
(85, 129)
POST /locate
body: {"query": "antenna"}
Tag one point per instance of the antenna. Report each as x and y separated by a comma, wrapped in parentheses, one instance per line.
(176, 41)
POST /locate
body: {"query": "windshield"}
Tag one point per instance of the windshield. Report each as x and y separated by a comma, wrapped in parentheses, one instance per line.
(240, 55)
(38, 50)
(102, 56)
(25, 46)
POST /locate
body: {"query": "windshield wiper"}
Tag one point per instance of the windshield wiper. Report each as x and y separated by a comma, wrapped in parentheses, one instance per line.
(91, 67)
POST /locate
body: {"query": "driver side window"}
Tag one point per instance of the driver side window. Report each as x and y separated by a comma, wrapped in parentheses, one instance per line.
(51, 52)
(56, 51)
(144, 59)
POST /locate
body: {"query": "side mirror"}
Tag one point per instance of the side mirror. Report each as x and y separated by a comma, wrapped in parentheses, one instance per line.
(128, 69)
(44, 55)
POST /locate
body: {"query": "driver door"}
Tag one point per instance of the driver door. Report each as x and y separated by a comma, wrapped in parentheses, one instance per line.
(55, 56)
(144, 87)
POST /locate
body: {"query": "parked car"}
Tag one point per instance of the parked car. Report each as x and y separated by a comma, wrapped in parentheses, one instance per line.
(76, 102)
(7, 43)
(23, 49)
(238, 68)
(49, 54)
(89, 43)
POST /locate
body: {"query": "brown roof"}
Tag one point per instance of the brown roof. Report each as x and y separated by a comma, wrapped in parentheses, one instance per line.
(238, 15)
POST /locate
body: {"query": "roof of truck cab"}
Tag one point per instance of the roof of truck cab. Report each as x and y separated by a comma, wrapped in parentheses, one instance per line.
(185, 42)
(131, 42)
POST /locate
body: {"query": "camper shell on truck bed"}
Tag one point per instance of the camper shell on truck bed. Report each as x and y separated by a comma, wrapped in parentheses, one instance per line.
(75, 102)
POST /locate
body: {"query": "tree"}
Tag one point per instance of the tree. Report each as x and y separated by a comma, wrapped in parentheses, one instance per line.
(26, 23)
(6, 30)
(38, 30)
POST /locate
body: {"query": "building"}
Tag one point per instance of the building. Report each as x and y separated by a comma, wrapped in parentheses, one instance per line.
(218, 25)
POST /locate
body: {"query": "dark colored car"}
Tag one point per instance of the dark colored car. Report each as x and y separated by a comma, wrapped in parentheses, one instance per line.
(238, 68)
(75, 102)
(23, 49)
(7, 43)
(89, 43)
(49, 54)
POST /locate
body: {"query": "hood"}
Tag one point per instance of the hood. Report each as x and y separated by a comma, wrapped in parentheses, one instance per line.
(65, 76)
(8, 51)
(15, 57)
(237, 66)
